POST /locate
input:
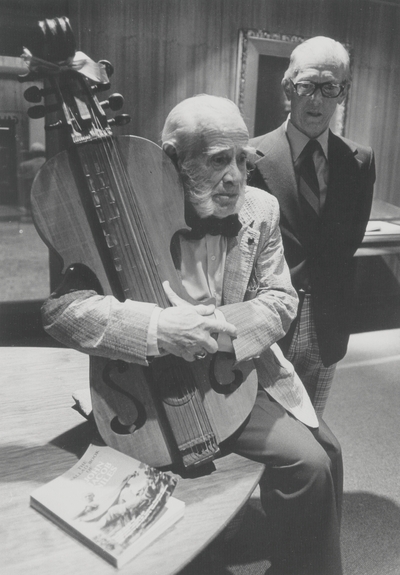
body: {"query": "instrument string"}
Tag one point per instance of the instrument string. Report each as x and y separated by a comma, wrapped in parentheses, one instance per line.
(134, 219)
(193, 419)
(145, 263)
(134, 212)
(126, 223)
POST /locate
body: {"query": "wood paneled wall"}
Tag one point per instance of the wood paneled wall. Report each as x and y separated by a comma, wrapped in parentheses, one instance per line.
(166, 50)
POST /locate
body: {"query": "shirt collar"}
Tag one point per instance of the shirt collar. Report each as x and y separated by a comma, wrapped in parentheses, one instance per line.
(298, 140)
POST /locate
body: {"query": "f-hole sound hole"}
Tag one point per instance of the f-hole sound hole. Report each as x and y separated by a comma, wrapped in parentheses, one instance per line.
(134, 416)
(220, 370)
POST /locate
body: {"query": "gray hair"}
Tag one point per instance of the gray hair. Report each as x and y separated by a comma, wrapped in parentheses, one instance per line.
(327, 47)
(183, 126)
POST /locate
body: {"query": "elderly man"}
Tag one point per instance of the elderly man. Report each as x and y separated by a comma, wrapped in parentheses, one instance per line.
(233, 253)
(324, 184)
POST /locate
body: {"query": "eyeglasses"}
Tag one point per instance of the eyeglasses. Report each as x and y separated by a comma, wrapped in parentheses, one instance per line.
(328, 90)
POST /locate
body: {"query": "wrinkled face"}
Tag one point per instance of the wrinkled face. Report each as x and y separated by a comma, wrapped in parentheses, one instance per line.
(312, 114)
(214, 174)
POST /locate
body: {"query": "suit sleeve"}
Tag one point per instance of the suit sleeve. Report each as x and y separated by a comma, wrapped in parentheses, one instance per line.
(79, 317)
(254, 178)
(271, 302)
(362, 214)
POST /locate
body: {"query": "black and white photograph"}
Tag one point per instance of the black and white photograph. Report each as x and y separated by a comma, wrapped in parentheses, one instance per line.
(200, 287)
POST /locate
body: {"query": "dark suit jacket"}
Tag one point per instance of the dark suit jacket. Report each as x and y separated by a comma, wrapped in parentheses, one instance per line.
(323, 255)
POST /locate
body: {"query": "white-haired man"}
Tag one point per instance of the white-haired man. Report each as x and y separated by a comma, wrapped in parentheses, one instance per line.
(233, 253)
(325, 206)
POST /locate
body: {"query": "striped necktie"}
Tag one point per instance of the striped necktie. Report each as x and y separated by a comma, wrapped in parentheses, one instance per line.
(307, 176)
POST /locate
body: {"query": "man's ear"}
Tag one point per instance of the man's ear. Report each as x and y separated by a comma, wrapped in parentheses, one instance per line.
(343, 95)
(170, 150)
(287, 88)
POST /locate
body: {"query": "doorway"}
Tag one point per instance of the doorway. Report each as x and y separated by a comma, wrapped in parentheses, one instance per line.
(8, 163)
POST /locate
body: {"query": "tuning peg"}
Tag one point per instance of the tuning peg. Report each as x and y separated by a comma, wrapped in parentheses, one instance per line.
(108, 66)
(40, 111)
(37, 112)
(35, 94)
(114, 102)
(100, 87)
(120, 120)
(29, 77)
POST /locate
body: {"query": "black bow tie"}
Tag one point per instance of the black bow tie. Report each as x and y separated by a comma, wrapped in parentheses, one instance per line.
(228, 227)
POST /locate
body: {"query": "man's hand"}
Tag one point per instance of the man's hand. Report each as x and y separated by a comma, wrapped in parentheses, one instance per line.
(186, 330)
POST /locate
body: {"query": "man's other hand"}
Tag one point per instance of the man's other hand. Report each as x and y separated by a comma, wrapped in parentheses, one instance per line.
(186, 330)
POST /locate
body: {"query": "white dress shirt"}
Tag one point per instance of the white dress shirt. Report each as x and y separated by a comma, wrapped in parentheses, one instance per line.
(202, 274)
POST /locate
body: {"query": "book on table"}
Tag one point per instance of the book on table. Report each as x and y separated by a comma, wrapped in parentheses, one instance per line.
(113, 503)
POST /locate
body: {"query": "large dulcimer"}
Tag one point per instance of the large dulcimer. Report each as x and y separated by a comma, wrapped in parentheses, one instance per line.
(112, 205)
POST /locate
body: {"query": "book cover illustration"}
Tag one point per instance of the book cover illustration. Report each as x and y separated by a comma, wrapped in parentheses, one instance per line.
(111, 500)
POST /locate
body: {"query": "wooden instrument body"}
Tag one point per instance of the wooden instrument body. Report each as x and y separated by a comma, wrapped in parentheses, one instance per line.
(60, 215)
(130, 401)
(153, 443)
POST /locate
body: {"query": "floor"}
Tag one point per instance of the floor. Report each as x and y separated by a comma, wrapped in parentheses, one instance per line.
(363, 411)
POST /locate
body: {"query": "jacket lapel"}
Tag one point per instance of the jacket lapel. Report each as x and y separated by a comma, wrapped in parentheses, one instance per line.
(276, 168)
(240, 259)
(343, 177)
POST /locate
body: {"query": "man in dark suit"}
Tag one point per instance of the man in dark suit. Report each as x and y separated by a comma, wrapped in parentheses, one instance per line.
(324, 184)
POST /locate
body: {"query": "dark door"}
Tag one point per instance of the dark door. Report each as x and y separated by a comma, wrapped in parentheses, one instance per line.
(8, 163)
(272, 106)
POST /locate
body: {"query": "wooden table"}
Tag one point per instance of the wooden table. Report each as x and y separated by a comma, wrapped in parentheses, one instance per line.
(41, 437)
(383, 231)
